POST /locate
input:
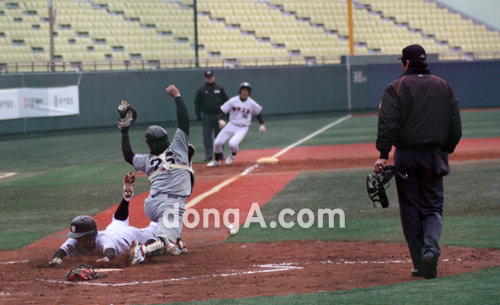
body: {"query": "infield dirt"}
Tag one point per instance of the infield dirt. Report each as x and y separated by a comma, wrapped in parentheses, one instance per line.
(216, 270)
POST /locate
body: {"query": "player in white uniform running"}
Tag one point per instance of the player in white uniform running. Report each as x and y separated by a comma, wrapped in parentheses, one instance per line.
(116, 239)
(171, 178)
(241, 108)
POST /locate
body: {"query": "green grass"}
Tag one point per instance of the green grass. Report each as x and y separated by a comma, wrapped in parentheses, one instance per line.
(67, 174)
(481, 124)
(472, 213)
(475, 288)
(42, 204)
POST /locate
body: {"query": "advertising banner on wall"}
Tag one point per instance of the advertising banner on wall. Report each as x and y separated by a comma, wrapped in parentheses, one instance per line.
(38, 102)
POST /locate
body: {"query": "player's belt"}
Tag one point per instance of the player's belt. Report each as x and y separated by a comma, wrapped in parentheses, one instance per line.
(171, 196)
(176, 196)
(239, 125)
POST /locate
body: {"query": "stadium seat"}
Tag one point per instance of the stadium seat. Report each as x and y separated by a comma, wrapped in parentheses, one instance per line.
(243, 28)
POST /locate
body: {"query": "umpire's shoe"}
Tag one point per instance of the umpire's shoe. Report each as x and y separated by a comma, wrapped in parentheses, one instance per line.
(430, 265)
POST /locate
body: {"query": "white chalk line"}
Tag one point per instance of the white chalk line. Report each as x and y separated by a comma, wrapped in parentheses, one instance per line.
(14, 262)
(193, 202)
(312, 135)
(107, 269)
(346, 262)
(6, 175)
(266, 268)
(324, 262)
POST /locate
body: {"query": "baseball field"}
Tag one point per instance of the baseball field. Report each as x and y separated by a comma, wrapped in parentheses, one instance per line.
(312, 234)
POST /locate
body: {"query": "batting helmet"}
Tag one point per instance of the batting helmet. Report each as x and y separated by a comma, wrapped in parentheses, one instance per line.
(157, 139)
(81, 226)
(246, 85)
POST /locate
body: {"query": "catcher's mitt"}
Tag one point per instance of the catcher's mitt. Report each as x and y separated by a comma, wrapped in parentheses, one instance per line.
(83, 272)
(376, 184)
(127, 115)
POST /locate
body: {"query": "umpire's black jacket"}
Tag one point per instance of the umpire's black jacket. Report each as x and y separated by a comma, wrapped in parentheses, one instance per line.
(209, 98)
(418, 110)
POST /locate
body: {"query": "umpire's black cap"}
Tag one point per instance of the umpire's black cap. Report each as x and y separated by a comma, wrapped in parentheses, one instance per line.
(414, 51)
(209, 73)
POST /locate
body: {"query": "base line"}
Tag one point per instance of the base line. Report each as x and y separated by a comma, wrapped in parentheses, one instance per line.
(193, 202)
(6, 175)
(312, 135)
(266, 268)
(14, 262)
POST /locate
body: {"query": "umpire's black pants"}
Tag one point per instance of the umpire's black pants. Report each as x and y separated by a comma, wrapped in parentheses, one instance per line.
(420, 201)
(210, 131)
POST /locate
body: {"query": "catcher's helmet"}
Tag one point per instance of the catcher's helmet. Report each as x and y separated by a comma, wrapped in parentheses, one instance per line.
(246, 85)
(157, 139)
(81, 226)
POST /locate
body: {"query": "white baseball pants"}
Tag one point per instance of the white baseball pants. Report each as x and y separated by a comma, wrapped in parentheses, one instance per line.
(235, 134)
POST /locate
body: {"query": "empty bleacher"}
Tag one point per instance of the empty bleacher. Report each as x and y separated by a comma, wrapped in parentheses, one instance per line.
(117, 34)
(441, 25)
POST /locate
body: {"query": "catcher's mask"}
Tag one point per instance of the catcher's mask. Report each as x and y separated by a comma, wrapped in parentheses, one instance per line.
(83, 226)
(157, 139)
(376, 184)
(245, 85)
(83, 272)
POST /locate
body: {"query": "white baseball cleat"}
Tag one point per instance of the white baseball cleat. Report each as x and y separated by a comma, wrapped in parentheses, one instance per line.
(178, 248)
(135, 255)
(213, 163)
(230, 159)
(128, 186)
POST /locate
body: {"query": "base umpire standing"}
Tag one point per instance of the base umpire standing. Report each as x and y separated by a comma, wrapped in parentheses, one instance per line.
(419, 115)
(208, 100)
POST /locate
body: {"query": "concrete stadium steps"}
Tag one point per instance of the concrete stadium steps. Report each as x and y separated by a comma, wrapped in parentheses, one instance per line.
(446, 28)
(291, 31)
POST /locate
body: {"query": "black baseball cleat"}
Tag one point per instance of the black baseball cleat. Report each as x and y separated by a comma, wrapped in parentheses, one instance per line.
(191, 152)
(430, 265)
(417, 272)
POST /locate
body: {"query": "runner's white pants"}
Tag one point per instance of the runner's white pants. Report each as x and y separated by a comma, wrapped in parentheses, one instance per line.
(235, 134)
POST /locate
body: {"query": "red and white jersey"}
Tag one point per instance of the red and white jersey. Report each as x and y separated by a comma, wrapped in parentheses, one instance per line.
(240, 112)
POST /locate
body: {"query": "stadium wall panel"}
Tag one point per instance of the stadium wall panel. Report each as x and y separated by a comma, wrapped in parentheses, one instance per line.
(475, 83)
(280, 90)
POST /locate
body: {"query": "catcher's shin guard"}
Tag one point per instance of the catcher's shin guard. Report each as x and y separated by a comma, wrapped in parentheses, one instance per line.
(157, 246)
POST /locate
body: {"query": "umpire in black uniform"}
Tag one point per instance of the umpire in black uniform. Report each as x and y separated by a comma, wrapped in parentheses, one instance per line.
(208, 100)
(419, 115)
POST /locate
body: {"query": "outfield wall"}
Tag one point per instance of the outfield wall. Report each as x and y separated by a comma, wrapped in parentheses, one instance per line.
(280, 90)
